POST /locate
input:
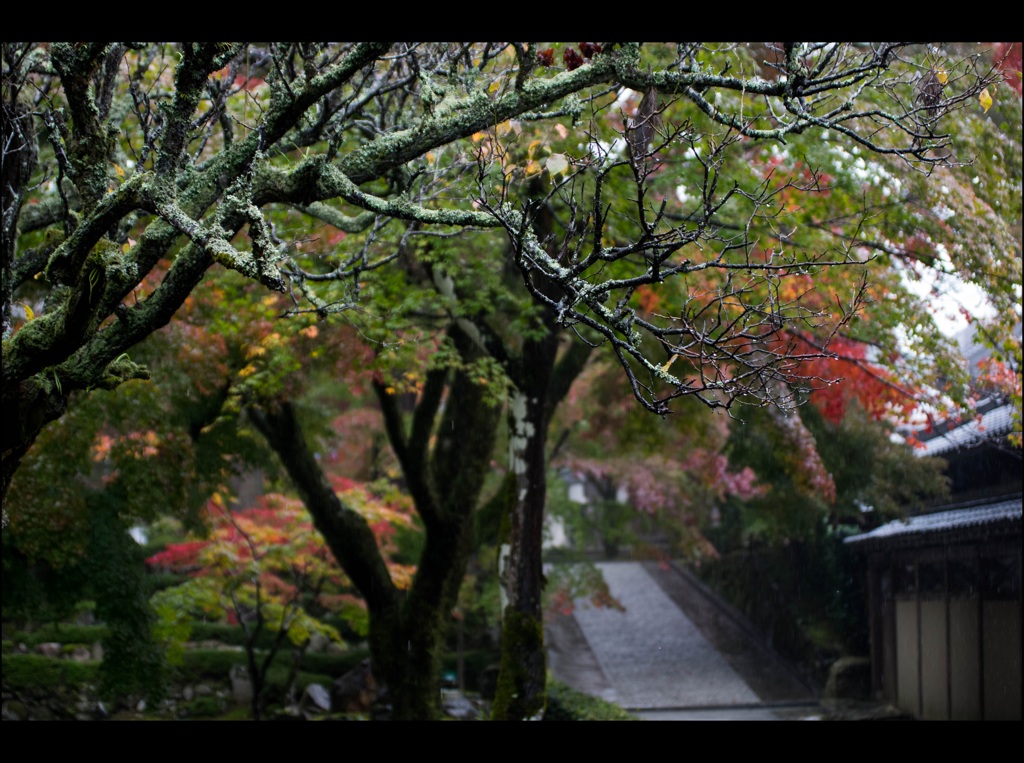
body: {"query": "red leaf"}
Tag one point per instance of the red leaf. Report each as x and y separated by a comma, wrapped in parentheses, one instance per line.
(572, 59)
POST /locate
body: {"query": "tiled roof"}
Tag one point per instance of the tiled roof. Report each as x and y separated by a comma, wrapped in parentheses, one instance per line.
(995, 423)
(956, 519)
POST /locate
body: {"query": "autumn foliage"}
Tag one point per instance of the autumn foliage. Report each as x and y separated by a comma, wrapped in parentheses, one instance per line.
(270, 556)
(849, 375)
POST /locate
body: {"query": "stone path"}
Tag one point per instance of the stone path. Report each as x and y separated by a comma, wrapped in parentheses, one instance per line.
(672, 655)
(652, 654)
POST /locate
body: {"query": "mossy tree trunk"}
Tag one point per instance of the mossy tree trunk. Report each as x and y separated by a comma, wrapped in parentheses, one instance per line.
(542, 377)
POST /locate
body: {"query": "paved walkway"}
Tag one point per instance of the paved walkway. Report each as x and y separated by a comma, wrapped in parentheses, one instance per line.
(654, 660)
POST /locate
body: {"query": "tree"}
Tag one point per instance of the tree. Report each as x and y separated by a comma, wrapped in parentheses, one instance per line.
(370, 138)
(266, 570)
(112, 209)
(672, 472)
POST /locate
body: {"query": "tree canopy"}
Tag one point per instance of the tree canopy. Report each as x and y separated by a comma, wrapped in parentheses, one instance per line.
(131, 169)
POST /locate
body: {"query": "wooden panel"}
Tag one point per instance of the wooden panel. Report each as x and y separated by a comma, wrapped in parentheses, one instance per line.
(1002, 660)
(907, 686)
(963, 657)
(934, 661)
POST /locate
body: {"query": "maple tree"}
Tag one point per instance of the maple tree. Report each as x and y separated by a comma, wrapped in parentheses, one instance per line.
(387, 143)
(266, 568)
(443, 447)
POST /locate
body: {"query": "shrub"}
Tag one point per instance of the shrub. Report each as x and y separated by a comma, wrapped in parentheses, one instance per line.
(34, 671)
(567, 704)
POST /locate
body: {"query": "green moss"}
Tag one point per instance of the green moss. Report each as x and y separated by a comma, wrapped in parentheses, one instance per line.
(518, 696)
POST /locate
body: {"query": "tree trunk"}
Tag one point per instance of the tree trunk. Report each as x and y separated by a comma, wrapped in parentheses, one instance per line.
(541, 384)
(407, 628)
(521, 682)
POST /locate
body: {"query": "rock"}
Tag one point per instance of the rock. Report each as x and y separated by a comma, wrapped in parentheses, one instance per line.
(456, 705)
(849, 678)
(857, 710)
(241, 685)
(356, 691)
(81, 654)
(188, 693)
(289, 713)
(48, 649)
(44, 713)
(203, 690)
(15, 711)
(97, 652)
(316, 696)
(86, 617)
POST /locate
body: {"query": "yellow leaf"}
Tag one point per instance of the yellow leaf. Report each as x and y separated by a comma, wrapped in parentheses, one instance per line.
(29, 312)
(943, 77)
(119, 171)
(985, 99)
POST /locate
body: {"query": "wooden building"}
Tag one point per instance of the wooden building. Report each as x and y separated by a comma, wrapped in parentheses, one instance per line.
(944, 587)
